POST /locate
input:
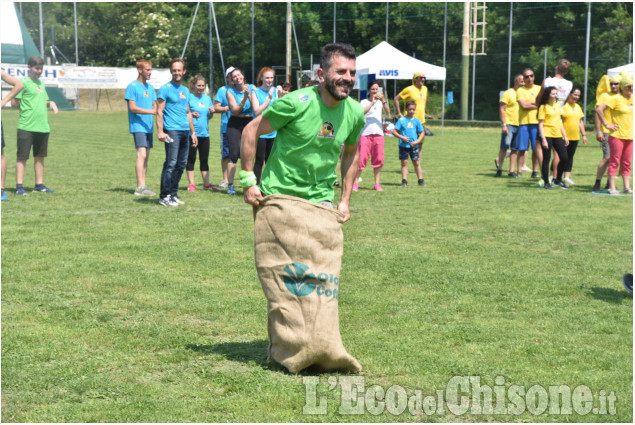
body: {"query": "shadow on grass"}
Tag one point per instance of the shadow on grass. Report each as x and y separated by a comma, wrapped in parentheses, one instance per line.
(610, 295)
(120, 189)
(251, 351)
(243, 352)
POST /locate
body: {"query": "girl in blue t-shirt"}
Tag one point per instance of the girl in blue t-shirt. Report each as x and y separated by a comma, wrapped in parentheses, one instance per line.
(242, 114)
(202, 109)
(410, 133)
(261, 98)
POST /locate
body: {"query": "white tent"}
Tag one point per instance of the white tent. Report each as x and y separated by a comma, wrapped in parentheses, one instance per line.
(614, 71)
(389, 63)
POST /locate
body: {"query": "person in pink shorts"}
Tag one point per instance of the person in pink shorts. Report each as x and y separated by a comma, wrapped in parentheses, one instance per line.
(621, 133)
(371, 140)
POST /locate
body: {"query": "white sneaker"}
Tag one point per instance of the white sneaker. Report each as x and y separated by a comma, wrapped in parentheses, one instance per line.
(568, 181)
(223, 185)
(144, 191)
(176, 199)
(168, 202)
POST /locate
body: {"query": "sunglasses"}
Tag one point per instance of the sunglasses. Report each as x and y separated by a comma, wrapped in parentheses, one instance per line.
(615, 84)
(421, 78)
(528, 76)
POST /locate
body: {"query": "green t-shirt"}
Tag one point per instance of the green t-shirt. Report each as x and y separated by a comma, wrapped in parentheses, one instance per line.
(33, 108)
(308, 145)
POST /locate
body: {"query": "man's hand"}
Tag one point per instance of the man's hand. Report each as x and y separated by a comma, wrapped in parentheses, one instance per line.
(252, 195)
(162, 136)
(343, 208)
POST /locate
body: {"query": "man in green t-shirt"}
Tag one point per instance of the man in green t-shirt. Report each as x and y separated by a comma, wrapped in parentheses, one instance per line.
(33, 126)
(312, 124)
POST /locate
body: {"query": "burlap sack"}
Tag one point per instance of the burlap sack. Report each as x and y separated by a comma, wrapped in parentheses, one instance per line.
(298, 250)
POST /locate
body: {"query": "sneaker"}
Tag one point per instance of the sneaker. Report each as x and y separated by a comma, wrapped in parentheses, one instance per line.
(568, 181)
(525, 168)
(355, 187)
(499, 173)
(560, 184)
(378, 188)
(20, 191)
(512, 174)
(210, 187)
(627, 281)
(541, 183)
(547, 186)
(168, 202)
(191, 188)
(223, 185)
(337, 183)
(550, 180)
(404, 183)
(4, 195)
(42, 188)
(534, 174)
(144, 191)
(231, 190)
(176, 199)
(597, 187)
(421, 182)
(359, 180)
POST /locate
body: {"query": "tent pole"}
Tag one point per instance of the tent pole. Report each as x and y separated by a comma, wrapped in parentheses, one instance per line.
(190, 31)
(220, 51)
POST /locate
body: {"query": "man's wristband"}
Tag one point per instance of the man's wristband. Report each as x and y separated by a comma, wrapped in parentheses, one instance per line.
(247, 179)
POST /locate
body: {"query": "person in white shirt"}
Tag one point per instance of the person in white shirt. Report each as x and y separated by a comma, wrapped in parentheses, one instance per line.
(371, 140)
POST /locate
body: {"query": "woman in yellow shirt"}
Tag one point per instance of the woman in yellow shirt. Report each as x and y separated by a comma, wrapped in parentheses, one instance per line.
(574, 127)
(553, 135)
(620, 133)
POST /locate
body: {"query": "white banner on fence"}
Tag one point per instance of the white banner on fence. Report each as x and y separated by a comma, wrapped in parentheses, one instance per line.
(88, 77)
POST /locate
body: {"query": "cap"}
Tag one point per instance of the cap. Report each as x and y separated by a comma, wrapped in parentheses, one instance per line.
(229, 70)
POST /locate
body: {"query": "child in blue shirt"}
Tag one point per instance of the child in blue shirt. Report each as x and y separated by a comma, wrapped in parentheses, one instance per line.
(410, 133)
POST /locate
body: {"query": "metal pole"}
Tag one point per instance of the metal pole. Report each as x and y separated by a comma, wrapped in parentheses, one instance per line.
(630, 47)
(211, 49)
(473, 81)
(465, 59)
(253, 47)
(41, 31)
(544, 72)
(297, 46)
(76, 46)
(190, 31)
(220, 50)
(334, 20)
(445, 29)
(586, 58)
(288, 56)
(509, 51)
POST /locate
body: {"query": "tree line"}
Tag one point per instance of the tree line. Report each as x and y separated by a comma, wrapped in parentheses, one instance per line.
(117, 34)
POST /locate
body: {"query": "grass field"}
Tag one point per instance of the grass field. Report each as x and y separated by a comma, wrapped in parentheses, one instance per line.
(116, 309)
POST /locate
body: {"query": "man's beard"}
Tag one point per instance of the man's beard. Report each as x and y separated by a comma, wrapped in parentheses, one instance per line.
(331, 87)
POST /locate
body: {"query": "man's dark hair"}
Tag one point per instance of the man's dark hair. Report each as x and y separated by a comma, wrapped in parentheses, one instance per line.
(335, 49)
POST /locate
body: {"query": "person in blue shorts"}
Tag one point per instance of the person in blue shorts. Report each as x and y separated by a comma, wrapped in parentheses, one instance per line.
(174, 119)
(142, 106)
(410, 133)
(221, 106)
(528, 123)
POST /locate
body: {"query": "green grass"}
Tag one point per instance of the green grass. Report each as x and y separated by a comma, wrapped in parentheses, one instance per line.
(115, 309)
